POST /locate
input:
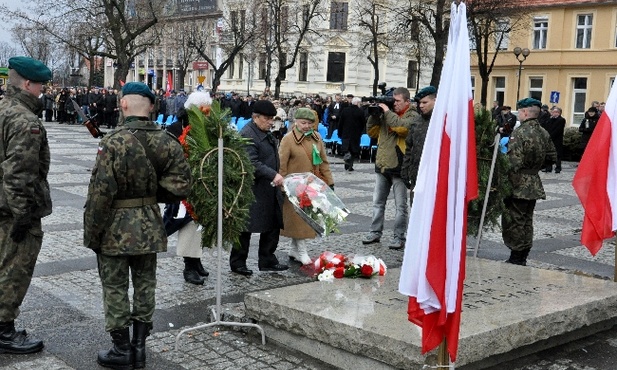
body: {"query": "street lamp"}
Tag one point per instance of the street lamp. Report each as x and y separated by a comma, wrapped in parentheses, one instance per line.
(524, 53)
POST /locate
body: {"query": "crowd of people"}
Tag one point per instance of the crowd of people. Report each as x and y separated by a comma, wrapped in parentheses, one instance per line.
(139, 166)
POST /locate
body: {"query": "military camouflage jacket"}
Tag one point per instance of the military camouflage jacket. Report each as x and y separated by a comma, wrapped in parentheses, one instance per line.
(123, 174)
(413, 151)
(529, 149)
(390, 131)
(24, 157)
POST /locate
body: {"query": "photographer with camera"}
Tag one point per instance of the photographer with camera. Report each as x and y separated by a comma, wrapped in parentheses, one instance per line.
(390, 128)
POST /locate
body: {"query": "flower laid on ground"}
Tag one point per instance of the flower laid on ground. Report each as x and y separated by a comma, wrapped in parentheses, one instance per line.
(315, 202)
(330, 266)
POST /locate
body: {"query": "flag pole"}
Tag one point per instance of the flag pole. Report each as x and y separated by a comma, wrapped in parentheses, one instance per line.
(615, 274)
(486, 195)
(443, 360)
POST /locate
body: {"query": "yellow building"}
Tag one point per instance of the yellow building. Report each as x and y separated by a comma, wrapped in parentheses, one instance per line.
(572, 53)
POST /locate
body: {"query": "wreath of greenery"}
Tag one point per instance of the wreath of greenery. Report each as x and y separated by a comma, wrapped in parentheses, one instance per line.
(200, 142)
(500, 186)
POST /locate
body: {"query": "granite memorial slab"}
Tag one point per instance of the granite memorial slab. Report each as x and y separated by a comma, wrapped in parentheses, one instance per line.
(505, 308)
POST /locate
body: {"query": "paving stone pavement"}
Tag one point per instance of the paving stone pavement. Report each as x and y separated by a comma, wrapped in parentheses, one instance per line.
(64, 305)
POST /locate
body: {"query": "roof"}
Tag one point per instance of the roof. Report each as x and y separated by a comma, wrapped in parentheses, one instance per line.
(562, 3)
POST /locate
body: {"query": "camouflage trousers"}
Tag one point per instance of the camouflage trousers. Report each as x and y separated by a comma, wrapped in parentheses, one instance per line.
(17, 262)
(114, 273)
(517, 223)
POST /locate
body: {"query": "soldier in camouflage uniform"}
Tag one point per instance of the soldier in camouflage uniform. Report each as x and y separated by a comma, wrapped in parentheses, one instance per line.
(137, 166)
(425, 98)
(529, 150)
(24, 194)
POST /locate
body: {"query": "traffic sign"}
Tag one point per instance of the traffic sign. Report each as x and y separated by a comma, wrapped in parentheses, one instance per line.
(555, 97)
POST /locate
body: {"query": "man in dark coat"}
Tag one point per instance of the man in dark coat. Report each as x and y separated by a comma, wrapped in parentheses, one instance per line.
(350, 128)
(555, 127)
(266, 215)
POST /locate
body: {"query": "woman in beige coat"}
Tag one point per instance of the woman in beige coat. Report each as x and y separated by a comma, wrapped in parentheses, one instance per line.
(302, 150)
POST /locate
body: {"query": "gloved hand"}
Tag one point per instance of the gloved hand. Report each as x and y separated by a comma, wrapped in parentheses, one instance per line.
(20, 229)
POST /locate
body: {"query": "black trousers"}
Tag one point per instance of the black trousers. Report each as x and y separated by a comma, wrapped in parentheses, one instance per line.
(268, 242)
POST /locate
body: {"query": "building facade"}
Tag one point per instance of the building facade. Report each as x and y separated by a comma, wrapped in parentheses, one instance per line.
(330, 59)
(572, 60)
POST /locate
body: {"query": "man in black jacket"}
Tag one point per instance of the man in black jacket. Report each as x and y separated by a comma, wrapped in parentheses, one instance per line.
(266, 213)
(352, 124)
(555, 126)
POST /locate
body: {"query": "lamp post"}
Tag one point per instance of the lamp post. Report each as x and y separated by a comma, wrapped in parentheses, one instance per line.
(521, 55)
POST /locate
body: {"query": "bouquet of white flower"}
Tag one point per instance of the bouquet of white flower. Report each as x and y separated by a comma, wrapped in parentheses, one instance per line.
(315, 202)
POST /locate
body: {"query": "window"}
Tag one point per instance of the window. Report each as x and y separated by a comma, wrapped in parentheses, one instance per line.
(282, 63)
(230, 69)
(500, 89)
(579, 92)
(238, 20)
(240, 66)
(284, 18)
(262, 66)
(305, 14)
(412, 74)
(502, 39)
(583, 31)
(338, 15)
(473, 87)
(336, 67)
(535, 87)
(540, 32)
(303, 67)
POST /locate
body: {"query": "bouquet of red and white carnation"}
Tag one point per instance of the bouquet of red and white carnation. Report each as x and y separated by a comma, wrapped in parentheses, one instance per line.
(330, 266)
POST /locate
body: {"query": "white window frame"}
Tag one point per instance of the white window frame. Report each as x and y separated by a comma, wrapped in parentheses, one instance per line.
(500, 89)
(536, 89)
(577, 116)
(540, 32)
(586, 29)
(501, 28)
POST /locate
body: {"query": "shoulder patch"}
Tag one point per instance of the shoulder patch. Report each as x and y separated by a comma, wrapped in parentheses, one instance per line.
(35, 129)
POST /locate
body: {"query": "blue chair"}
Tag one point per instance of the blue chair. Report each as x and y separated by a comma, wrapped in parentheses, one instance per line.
(365, 145)
(333, 142)
(159, 119)
(323, 131)
(241, 123)
(170, 119)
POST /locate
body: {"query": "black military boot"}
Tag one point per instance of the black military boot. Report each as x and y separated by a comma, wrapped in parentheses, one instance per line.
(141, 330)
(191, 274)
(17, 342)
(120, 356)
(518, 258)
(200, 268)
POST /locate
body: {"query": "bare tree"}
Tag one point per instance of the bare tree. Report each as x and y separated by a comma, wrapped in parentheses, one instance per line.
(237, 30)
(288, 34)
(433, 16)
(490, 22)
(118, 27)
(6, 52)
(183, 33)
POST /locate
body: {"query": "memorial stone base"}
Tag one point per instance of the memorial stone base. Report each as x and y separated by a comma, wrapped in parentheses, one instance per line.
(508, 311)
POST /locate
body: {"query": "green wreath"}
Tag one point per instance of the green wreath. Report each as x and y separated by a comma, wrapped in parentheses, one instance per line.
(500, 186)
(200, 141)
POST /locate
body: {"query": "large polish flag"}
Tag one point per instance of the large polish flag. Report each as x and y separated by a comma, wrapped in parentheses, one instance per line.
(595, 181)
(433, 267)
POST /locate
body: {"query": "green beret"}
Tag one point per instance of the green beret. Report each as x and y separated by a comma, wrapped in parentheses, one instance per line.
(138, 88)
(528, 102)
(30, 69)
(305, 113)
(429, 90)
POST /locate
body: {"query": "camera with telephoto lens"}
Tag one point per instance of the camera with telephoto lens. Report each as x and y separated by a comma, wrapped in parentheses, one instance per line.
(386, 98)
(373, 108)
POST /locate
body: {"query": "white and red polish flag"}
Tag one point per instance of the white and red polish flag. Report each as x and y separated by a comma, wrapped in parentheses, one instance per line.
(433, 267)
(595, 180)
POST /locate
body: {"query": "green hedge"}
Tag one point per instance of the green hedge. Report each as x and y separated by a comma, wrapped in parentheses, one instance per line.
(571, 144)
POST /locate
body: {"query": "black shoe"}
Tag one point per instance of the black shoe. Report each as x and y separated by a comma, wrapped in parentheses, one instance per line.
(397, 245)
(557, 171)
(372, 238)
(242, 271)
(193, 277)
(277, 267)
(201, 270)
(120, 356)
(17, 341)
